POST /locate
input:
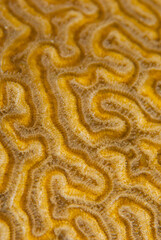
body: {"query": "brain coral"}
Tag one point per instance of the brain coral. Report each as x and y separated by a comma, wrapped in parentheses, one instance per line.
(80, 119)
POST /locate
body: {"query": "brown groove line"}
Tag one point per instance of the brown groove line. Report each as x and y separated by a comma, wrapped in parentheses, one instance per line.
(80, 120)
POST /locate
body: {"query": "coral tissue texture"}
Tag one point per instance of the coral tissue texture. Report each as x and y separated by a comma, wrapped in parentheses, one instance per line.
(80, 119)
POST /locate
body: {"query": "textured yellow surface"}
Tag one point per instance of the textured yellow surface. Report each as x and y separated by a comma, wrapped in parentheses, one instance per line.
(80, 119)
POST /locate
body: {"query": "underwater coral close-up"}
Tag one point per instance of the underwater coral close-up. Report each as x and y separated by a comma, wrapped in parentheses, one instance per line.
(80, 119)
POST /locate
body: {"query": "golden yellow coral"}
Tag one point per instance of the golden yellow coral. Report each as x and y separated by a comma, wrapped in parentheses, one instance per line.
(80, 119)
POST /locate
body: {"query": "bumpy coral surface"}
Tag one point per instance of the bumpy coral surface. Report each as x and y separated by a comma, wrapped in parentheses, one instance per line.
(80, 119)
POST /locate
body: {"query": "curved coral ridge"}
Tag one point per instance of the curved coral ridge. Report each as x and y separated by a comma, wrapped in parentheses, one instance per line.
(80, 119)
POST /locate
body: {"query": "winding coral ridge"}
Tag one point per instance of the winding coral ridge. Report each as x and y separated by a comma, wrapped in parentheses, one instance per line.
(80, 119)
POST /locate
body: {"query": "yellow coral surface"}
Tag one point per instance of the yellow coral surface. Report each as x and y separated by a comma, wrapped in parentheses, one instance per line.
(80, 119)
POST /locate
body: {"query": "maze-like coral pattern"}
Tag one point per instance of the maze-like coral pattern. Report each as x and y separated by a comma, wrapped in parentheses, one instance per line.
(80, 119)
